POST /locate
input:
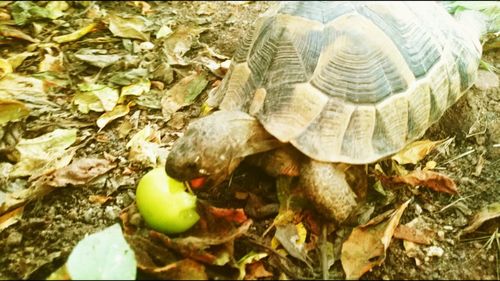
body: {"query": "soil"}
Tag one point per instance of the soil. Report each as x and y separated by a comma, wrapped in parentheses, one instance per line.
(41, 241)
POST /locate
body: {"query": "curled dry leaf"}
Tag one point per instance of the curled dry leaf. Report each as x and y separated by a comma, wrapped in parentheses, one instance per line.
(434, 180)
(292, 237)
(7, 31)
(73, 36)
(415, 151)
(257, 270)
(366, 246)
(196, 247)
(488, 212)
(117, 112)
(230, 215)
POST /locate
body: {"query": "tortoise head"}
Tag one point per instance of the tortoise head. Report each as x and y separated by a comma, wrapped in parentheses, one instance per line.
(213, 146)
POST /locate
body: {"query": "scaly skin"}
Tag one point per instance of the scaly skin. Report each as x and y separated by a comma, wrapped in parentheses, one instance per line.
(215, 145)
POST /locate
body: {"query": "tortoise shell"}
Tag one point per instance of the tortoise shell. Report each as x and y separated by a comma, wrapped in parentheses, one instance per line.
(350, 82)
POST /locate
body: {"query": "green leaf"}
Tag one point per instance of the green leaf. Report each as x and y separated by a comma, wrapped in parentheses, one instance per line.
(26, 11)
(195, 88)
(104, 255)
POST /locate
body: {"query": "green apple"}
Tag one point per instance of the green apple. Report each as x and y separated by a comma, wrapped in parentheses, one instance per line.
(164, 204)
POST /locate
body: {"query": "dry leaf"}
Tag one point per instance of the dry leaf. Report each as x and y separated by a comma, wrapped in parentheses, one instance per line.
(230, 215)
(487, 213)
(366, 246)
(247, 260)
(79, 172)
(117, 112)
(197, 247)
(182, 94)
(257, 270)
(95, 97)
(8, 31)
(128, 27)
(12, 110)
(415, 151)
(100, 199)
(434, 180)
(11, 218)
(75, 35)
(409, 233)
(97, 57)
(44, 152)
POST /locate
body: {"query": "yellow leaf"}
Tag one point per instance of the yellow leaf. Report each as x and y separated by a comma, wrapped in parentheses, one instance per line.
(415, 151)
(12, 110)
(5, 67)
(136, 89)
(117, 112)
(302, 232)
(75, 35)
(17, 59)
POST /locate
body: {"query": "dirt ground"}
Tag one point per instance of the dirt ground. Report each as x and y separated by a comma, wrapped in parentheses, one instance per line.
(41, 241)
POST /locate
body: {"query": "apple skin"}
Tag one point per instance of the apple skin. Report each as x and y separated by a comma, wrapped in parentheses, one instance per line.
(164, 204)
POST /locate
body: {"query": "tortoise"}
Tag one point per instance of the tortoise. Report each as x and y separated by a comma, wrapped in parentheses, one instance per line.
(318, 85)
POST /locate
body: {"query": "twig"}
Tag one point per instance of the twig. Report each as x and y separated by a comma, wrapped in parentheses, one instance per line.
(460, 156)
(455, 202)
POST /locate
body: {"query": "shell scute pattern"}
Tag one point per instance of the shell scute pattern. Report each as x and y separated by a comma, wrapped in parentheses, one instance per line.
(350, 81)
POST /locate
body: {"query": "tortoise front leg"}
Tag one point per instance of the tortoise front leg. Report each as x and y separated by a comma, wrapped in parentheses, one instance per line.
(326, 186)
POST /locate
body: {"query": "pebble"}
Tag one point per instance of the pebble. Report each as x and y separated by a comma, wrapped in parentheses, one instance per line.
(478, 245)
(418, 209)
(112, 212)
(448, 227)
(135, 219)
(491, 258)
(440, 234)
(146, 45)
(434, 251)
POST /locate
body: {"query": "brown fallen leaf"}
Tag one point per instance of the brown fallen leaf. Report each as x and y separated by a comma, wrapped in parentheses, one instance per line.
(257, 270)
(488, 212)
(409, 233)
(196, 247)
(162, 263)
(79, 172)
(186, 269)
(434, 180)
(100, 199)
(366, 246)
(230, 215)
